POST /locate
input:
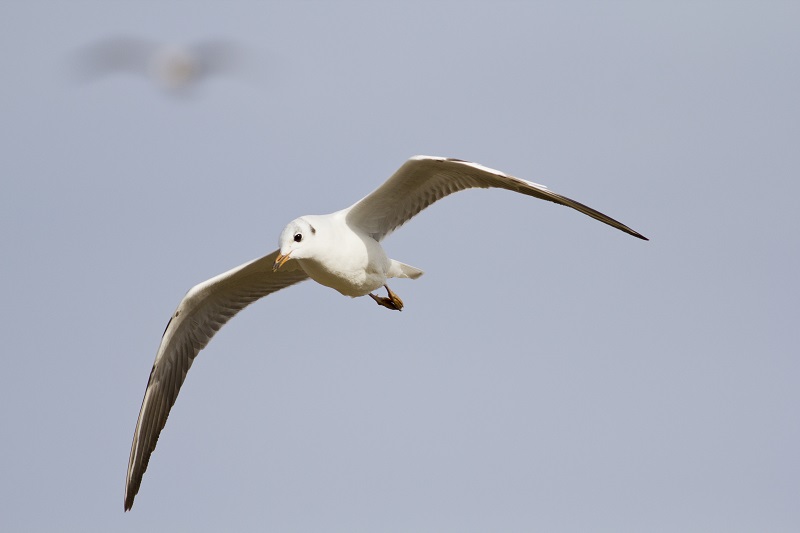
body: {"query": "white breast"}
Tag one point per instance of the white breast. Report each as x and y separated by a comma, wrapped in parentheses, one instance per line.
(353, 263)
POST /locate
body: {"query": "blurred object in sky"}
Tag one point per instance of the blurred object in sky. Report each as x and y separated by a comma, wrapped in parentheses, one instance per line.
(175, 68)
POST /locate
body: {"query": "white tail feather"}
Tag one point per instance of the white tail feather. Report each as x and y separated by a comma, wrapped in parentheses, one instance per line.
(402, 270)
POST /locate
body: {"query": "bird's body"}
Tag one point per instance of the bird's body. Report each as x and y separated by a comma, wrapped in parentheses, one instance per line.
(341, 250)
(345, 258)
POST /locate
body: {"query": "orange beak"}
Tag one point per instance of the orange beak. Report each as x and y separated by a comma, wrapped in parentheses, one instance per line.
(280, 260)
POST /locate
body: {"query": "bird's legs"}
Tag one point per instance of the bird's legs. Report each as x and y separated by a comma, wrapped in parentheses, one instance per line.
(392, 302)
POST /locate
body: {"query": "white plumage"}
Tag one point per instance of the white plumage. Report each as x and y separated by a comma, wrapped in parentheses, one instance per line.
(341, 250)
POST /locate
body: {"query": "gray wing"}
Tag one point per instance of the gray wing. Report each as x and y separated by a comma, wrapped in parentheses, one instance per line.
(422, 180)
(216, 57)
(204, 309)
(115, 54)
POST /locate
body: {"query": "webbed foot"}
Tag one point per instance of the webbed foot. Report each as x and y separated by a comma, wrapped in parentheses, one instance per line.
(392, 302)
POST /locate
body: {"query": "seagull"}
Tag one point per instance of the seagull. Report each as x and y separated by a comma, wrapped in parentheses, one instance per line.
(174, 67)
(341, 250)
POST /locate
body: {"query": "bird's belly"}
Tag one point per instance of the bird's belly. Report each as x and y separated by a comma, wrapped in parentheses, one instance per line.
(355, 281)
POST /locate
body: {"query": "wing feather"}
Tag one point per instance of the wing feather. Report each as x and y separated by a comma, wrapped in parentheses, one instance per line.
(115, 54)
(204, 309)
(422, 180)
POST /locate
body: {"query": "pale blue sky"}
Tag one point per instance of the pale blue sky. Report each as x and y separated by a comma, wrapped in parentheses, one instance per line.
(548, 372)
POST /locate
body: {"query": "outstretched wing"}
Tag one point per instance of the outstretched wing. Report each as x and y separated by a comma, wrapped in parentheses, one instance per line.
(216, 57)
(115, 54)
(204, 309)
(422, 180)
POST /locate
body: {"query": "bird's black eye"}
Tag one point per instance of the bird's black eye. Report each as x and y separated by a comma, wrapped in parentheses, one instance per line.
(298, 237)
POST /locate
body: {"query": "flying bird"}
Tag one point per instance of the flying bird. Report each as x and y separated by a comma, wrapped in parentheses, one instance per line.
(341, 250)
(174, 67)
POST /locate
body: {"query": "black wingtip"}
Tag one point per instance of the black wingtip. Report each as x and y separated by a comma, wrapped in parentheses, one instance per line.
(633, 232)
(129, 497)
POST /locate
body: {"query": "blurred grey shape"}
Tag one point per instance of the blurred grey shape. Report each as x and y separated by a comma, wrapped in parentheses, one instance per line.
(175, 68)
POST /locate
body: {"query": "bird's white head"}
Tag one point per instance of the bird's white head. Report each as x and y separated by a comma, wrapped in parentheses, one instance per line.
(296, 241)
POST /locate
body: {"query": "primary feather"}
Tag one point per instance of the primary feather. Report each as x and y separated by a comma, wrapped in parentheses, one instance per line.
(351, 260)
